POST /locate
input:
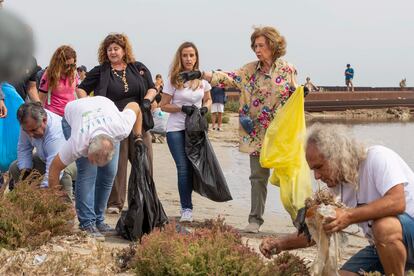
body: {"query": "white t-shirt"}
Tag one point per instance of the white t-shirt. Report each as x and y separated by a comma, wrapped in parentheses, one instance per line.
(382, 170)
(184, 96)
(89, 117)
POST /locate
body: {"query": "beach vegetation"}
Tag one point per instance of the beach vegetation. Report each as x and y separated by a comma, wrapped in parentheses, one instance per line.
(30, 216)
(213, 249)
(232, 106)
(225, 119)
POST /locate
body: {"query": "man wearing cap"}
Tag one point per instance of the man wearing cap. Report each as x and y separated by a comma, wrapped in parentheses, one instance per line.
(349, 75)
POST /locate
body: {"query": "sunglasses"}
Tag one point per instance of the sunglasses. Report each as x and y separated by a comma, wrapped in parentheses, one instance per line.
(72, 65)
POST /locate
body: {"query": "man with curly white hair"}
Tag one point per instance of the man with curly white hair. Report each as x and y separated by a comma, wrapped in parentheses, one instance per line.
(377, 185)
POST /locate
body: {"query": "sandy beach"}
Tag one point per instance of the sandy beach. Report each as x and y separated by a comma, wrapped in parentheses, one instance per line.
(96, 257)
(80, 253)
(235, 166)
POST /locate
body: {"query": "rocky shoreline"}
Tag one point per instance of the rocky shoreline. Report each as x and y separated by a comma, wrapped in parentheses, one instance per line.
(382, 114)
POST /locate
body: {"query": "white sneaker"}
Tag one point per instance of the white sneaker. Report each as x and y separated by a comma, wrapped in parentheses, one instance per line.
(252, 227)
(186, 215)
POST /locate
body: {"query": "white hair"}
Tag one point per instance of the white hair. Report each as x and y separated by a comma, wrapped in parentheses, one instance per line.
(343, 152)
(103, 147)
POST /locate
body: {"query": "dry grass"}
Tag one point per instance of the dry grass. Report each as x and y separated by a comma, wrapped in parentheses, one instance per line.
(30, 216)
(70, 255)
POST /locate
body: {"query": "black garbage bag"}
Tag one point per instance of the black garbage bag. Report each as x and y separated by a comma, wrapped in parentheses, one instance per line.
(145, 211)
(208, 178)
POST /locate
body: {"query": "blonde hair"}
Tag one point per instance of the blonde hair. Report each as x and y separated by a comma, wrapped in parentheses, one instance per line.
(120, 39)
(275, 41)
(56, 68)
(343, 152)
(177, 67)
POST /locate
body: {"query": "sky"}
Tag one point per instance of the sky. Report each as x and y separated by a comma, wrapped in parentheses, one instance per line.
(375, 37)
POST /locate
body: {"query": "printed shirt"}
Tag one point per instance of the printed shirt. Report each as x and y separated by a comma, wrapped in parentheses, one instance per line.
(261, 96)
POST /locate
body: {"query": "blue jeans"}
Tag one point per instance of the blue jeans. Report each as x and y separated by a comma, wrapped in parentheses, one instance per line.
(367, 258)
(93, 186)
(176, 144)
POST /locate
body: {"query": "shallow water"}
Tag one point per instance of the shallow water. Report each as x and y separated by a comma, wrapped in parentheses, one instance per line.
(396, 135)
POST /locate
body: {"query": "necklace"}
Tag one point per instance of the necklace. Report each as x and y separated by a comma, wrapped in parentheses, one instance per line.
(123, 78)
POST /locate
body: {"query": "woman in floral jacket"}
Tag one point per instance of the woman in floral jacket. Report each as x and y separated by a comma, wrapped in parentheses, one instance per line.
(265, 86)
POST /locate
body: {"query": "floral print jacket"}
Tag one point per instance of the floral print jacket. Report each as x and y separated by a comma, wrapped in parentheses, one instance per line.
(261, 96)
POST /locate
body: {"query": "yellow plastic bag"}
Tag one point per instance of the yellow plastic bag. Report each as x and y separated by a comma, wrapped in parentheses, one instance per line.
(283, 151)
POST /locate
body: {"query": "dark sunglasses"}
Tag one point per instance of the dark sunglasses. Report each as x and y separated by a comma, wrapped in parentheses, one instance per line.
(72, 65)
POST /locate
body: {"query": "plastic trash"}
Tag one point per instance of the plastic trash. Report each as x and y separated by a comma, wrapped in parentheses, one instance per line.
(283, 151)
(327, 261)
(145, 211)
(208, 178)
(39, 259)
(160, 121)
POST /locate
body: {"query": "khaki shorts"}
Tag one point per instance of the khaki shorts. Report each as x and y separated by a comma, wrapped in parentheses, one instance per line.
(348, 81)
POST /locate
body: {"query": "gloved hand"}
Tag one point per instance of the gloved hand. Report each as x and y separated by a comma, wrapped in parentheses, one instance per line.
(188, 109)
(203, 110)
(146, 104)
(190, 75)
(300, 223)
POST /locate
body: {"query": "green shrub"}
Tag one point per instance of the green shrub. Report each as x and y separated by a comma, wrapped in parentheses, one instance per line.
(30, 216)
(216, 249)
(232, 106)
(225, 119)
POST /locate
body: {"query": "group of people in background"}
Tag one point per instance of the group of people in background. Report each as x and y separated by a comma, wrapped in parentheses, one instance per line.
(120, 78)
(91, 139)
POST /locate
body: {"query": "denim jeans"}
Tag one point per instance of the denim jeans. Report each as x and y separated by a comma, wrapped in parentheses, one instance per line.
(367, 259)
(92, 189)
(176, 144)
(93, 186)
